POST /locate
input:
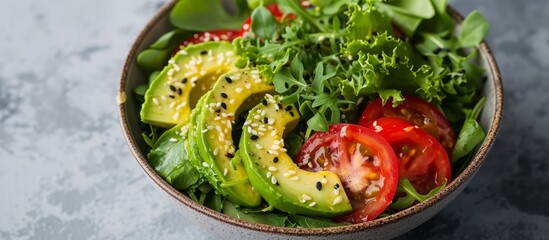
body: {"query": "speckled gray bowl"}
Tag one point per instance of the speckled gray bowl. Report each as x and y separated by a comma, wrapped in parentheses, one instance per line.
(223, 225)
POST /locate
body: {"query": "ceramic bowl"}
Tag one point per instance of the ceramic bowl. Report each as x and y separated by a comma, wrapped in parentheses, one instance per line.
(223, 225)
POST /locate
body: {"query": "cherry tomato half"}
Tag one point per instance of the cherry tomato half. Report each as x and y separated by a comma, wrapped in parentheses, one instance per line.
(418, 111)
(421, 158)
(363, 160)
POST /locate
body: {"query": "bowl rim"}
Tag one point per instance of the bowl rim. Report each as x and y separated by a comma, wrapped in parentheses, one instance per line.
(346, 229)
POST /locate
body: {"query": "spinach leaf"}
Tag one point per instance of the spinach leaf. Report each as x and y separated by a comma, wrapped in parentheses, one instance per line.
(264, 23)
(252, 4)
(473, 30)
(471, 133)
(169, 158)
(156, 56)
(205, 15)
(275, 219)
(313, 222)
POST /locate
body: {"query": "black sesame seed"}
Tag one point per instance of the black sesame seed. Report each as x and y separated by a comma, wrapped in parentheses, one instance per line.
(277, 184)
(179, 91)
(172, 96)
(229, 155)
(172, 88)
(336, 186)
(228, 79)
(218, 110)
(203, 52)
(224, 105)
(279, 105)
(288, 108)
(275, 159)
(265, 120)
(254, 137)
(292, 114)
(264, 102)
(224, 95)
(319, 186)
(184, 80)
(437, 50)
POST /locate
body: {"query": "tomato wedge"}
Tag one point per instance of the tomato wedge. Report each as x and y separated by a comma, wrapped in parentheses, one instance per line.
(418, 111)
(421, 158)
(363, 160)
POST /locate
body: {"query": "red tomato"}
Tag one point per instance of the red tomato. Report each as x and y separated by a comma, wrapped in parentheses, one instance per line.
(363, 160)
(421, 158)
(418, 111)
(216, 35)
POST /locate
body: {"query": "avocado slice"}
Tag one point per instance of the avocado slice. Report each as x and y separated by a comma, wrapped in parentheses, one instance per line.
(189, 75)
(214, 152)
(274, 174)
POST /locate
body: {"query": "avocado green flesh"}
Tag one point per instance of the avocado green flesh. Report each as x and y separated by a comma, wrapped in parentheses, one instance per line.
(189, 74)
(213, 131)
(280, 182)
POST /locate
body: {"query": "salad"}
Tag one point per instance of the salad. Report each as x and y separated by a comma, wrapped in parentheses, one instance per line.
(312, 113)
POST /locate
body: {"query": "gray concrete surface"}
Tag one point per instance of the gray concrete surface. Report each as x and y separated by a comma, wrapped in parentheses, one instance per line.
(66, 172)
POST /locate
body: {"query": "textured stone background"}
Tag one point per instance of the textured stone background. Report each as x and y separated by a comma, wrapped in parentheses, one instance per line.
(66, 172)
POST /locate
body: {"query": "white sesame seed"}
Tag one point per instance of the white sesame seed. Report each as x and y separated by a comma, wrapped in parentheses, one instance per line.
(310, 164)
(312, 204)
(231, 101)
(217, 118)
(238, 90)
(176, 116)
(306, 197)
(225, 171)
(248, 85)
(336, 191)
(258, 146)
(294, 178)
(261, 134)
(155, 100)
(173, 140)
(273, 180)
(215, 152)
(337, 200)
(205, 164)
(269, 174)
(210, 127)
(378, 129)
(247, 123)
(272, 168)
(271, 121)
(205, 130)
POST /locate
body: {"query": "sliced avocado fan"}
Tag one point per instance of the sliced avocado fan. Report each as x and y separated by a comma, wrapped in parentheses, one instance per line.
(210, 141)
(189, 75)
(274, 174)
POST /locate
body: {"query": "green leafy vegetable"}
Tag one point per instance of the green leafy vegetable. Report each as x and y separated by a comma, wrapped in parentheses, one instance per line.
(205, 15)
(275, 219)
(473, 30)
(471, 133)
(169, 159)
(411, 195)
(264, 23)
(312, 222)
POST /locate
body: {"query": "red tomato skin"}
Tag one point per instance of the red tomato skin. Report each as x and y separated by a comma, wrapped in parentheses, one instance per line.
(428, 166)
(216, 35)
(338, 139)
(415, 110)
